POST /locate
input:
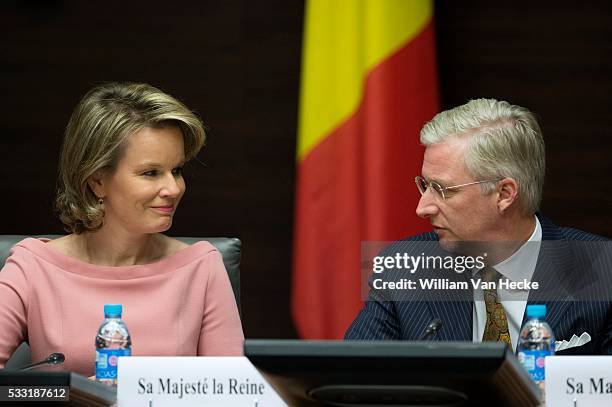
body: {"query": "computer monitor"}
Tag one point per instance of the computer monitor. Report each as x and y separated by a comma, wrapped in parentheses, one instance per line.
(393, 373)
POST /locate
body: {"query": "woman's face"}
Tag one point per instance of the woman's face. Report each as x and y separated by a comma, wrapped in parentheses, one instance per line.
(142, 194)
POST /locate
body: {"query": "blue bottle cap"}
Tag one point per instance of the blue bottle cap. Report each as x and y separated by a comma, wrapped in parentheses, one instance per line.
(537, 311)
(112, 310)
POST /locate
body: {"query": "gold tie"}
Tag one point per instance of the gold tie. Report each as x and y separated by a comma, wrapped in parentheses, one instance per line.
(496, 328)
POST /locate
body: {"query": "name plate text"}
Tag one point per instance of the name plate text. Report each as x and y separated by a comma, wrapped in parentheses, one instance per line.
(191, 382)
(579, 381)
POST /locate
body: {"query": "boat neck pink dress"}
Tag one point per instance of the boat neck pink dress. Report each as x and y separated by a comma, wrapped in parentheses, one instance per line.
(181, 305)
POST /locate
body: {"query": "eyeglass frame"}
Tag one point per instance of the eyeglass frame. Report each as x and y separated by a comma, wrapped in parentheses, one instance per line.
(440, 190)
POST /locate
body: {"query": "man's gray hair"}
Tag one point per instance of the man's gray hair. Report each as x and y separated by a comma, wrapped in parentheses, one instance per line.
(505, 141)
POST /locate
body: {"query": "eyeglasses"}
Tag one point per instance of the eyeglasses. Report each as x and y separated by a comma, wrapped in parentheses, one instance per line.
(422, 185)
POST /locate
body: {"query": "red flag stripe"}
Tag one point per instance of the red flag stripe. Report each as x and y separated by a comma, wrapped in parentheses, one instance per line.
(358, 184)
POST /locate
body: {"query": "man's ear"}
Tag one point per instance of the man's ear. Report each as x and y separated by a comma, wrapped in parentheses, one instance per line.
(507, 190)
(96, 184)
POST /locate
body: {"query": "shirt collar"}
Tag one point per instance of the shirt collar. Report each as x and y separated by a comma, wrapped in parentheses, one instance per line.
(521, 265)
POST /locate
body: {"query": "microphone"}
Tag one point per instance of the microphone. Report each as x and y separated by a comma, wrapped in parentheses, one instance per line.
(432, 329)
(52, 359)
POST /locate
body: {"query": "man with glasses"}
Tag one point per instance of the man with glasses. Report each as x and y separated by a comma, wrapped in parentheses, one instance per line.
(481, 186)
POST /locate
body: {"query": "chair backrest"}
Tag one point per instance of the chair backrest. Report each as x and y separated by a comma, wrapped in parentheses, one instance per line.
(228, 247)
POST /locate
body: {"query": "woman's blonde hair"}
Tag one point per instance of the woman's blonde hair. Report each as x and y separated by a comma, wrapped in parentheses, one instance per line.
(97, 134)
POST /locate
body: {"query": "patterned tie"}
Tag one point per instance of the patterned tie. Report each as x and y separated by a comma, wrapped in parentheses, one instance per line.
(496, 328)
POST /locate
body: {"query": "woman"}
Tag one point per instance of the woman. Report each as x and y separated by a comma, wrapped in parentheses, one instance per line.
(120, 183)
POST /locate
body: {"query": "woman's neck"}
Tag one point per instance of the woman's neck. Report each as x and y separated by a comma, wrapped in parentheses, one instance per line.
(107, 247)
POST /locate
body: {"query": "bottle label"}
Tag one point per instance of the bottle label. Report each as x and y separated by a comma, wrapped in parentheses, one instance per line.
(533, 362)
(106, 362)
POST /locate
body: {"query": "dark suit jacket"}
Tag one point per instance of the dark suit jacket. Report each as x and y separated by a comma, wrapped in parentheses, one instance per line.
(568, 265)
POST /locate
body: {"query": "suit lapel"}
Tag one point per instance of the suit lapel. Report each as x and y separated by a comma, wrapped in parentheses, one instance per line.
(455, 311)
(553, 268)
(456, 317)
(554, 273)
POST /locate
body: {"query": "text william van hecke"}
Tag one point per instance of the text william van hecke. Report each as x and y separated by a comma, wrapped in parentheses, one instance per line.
(447, 284)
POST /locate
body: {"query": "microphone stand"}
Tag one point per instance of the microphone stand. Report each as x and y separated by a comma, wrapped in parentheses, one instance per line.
(52, 359)
(431, 330)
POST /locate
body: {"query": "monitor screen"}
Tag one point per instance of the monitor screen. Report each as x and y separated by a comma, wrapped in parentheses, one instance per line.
(393, 373)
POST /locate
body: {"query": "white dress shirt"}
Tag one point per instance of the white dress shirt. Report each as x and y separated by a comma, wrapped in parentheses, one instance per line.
(518, 267)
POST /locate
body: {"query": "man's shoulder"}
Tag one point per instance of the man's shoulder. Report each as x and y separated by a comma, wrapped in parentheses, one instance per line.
(581, 235)
(422, 237)
(551, 231)
(423, 242)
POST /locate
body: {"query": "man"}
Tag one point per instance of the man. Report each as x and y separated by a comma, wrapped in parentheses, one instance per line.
(482, 179)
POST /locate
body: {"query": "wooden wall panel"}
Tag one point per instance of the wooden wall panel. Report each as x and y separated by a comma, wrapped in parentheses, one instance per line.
(236, 62)
(556, 60)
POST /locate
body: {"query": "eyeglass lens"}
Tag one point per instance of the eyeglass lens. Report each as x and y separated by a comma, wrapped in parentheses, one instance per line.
(422, 185)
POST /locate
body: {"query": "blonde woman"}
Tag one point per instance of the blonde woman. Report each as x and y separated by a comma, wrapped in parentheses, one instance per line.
(120, 184)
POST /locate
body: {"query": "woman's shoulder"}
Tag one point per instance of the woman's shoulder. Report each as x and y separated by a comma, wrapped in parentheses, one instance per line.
(62, 244)
(24, 254)
(29, 246)
(173, 247)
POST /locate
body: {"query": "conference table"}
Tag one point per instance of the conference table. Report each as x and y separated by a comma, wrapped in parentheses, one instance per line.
(319, 373)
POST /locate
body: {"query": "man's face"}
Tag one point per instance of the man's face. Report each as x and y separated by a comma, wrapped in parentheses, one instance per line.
(466, 214)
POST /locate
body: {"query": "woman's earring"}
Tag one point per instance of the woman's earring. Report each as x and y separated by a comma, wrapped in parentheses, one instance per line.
(100, 201)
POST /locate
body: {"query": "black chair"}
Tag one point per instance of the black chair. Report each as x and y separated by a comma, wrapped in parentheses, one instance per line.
(228, 247)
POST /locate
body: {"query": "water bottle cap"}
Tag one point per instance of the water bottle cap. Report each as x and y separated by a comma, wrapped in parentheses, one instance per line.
(536, 311)
(113, 310)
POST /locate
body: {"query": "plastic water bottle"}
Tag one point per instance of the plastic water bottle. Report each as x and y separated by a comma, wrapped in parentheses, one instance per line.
(536, 341)
(112, 341)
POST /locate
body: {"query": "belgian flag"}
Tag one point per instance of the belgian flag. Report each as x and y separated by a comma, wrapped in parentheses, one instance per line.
(368, 84)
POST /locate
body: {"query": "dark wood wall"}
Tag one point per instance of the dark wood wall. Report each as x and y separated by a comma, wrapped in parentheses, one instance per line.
(236, 63)
(556, 60)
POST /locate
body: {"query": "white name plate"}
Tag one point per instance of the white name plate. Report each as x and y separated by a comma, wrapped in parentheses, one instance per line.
(579, 381)
(191, 382)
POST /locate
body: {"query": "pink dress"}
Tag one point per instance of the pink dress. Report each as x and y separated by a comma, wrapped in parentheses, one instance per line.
(182, 305)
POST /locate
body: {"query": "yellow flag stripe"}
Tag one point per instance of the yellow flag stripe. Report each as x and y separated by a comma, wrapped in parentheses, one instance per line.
(343, 40)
